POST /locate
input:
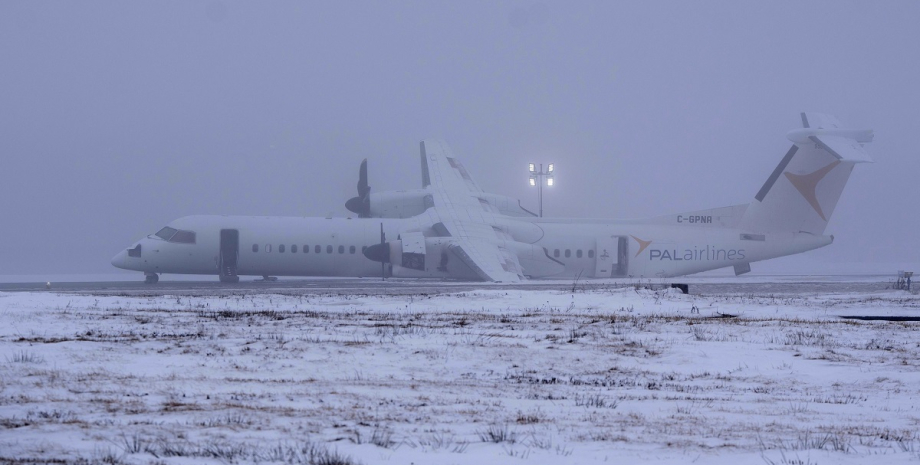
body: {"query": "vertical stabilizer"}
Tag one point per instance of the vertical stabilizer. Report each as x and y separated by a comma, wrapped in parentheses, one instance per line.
(802, 192)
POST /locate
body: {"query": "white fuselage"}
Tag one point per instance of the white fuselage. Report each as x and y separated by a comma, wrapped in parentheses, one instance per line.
(294, 246)
(451, 228)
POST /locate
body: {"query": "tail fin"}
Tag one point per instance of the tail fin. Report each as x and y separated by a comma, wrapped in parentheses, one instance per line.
(803, 190)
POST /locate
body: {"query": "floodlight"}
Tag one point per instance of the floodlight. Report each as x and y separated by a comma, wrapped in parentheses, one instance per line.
(537, 177)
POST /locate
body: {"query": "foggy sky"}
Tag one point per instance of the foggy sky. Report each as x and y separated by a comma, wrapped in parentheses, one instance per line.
(117, 117)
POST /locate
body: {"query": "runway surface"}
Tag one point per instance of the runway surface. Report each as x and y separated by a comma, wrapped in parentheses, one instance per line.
(698, 286)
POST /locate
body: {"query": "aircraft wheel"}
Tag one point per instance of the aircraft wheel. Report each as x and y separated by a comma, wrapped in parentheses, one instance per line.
(152, 278)
(229, 279)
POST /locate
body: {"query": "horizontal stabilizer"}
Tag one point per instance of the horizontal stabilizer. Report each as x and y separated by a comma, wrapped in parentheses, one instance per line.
(825, 132)
(845, 149)
(820, 121)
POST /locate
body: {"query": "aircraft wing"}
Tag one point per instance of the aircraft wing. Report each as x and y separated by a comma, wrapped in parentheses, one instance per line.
(441, 169)
(466, 217)
(490, 262)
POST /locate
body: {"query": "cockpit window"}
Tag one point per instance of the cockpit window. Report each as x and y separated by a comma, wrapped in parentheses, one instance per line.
(176, 235)
(166, 233)
(135, 252)
(183, 237)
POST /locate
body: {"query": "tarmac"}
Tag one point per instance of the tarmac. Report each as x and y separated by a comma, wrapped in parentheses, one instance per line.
(376, 286)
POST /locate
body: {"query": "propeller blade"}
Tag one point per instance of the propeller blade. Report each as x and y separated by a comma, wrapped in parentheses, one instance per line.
(362, 203)
(379, 253)
(363, 187)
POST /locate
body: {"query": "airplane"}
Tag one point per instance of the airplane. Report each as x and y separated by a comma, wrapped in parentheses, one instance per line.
(451, 229)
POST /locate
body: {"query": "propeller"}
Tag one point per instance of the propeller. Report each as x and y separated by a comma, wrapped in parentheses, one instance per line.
(362, 203)
(383, 242)
(379, 252)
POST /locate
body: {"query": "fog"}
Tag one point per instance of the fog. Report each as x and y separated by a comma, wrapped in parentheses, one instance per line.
(117, 117)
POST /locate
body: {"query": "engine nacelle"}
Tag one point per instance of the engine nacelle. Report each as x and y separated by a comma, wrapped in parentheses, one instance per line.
(409, 203)
(417, 256)
(508, 206)
(399, 204)
(414, 202)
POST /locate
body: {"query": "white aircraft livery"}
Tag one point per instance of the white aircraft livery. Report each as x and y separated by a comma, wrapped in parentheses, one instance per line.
(451, 229)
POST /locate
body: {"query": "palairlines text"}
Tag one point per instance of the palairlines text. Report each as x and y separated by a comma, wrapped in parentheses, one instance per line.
(705, 254)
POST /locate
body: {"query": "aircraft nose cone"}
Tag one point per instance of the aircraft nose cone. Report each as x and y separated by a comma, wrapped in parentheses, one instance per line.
(118, 261)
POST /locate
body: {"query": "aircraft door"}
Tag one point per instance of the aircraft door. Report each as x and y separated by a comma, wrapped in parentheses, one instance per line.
(611, 257)
(229, 255)
(605, 255)
(622, 256)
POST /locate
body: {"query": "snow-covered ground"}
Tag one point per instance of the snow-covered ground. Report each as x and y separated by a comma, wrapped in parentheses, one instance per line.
(611, 374)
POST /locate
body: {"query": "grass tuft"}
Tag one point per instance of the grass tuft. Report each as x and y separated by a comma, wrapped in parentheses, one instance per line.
(25, 357)
(498, 434)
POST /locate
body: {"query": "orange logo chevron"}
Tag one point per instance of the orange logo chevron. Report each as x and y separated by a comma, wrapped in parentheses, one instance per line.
(642, 244)
(807, 184)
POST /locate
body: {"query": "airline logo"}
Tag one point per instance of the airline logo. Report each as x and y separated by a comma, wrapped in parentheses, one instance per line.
(642, 244)
(690, 253)
(807, 185)
(697, 253)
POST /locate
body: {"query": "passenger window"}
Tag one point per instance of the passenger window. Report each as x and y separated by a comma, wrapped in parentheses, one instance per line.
(306, 249)
(578, 253)
(268, 247)
(591, 253)
(293, 249)
(351, 250)
(255, 247)
(341, 249)
(317, 249)
(328, 249)
(568, 253)
(556, 253)
(183, 237)
(281, 248)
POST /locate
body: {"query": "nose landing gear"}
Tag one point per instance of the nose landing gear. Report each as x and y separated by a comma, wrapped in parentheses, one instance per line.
(151, 278)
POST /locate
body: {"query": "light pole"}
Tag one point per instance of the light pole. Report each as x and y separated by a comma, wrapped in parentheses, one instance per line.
(536, 179)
